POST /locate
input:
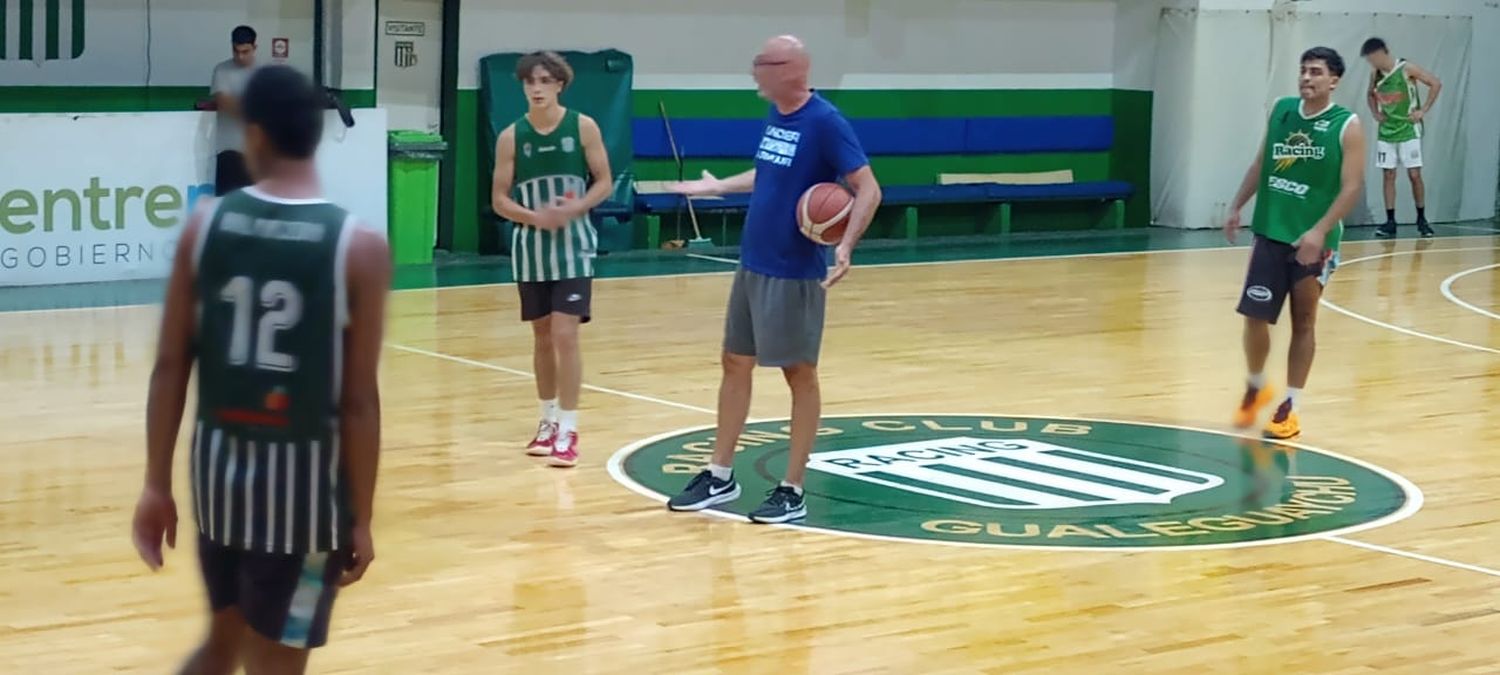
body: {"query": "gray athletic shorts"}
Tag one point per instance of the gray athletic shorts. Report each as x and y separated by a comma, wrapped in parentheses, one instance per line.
(778, 321)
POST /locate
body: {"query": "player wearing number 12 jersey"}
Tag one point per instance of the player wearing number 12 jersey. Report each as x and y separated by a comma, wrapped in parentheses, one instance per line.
(277, 296)
(1306, 176)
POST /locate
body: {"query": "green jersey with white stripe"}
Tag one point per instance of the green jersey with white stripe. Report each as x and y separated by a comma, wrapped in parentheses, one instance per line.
(1397, 96)
(551, 167)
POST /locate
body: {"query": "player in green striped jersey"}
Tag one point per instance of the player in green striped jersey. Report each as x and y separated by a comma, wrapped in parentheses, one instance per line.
(551, 169)
(277, 297)
(1399, 109)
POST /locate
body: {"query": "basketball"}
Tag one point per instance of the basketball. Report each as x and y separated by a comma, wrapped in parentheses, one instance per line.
(823, 212)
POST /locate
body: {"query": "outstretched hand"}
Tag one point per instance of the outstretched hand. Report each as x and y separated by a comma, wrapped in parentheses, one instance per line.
(706, 186)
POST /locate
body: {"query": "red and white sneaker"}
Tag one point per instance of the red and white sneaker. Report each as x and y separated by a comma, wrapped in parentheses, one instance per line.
(546, 436)
(564, 450)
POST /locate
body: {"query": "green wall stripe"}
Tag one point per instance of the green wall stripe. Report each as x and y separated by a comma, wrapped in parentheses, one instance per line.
(78, 28)
(738, 104)
(124, 99)
(468, 205)
(23, 42)
(1130, 158)
(54, 29)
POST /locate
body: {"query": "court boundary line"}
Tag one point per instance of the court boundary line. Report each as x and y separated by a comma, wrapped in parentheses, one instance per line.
(855, 268)
(1447, 289)
(1415, 502)
(529, 375)
(1402, 329)
(714, 258)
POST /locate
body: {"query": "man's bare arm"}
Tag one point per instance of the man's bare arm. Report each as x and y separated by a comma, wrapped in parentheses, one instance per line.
(504, 178)
(175, 349)
(369, 280)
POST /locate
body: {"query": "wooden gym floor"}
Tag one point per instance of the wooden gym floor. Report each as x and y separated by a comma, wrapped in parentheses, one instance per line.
(490, 562)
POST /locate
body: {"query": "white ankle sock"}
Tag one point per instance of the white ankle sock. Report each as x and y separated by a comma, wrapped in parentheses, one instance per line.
(1291, 395)
(798, 488)
(567, 420)
(549, 410)
(721, 472)
(1257, 380)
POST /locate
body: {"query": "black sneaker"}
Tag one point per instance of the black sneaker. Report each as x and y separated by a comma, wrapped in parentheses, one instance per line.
(1424, 229)
(1387, 230)
(704, 491)
(784, 505)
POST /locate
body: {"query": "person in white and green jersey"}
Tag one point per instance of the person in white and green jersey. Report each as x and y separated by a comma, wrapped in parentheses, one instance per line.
(551, 169)
(1400, 111)
(1306, 176)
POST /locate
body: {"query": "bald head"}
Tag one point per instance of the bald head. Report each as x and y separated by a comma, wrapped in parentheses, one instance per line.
(782, 67)
(786, 50)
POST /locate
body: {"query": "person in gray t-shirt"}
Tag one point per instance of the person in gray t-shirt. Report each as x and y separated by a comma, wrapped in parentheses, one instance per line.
(230, 76)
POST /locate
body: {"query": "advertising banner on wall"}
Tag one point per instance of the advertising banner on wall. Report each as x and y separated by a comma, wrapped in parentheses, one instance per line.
(102, 197)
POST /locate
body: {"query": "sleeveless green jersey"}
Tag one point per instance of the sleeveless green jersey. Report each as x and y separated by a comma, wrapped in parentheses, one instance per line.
(1397, 96)
(272, 306)
(549, 167)
(1301, 171)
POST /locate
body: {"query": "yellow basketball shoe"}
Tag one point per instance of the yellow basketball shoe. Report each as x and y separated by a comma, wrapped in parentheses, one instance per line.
(1284, 425)
(1250, 406)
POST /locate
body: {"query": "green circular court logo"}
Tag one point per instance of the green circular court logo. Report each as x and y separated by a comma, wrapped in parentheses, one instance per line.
(984, 480)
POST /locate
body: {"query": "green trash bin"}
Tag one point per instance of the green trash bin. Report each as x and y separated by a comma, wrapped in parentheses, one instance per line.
(414, 158)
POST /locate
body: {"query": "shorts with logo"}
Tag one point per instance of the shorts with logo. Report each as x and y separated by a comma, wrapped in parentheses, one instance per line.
(286, 598)
(564, 296)
(1273, 272)
(1408, 153)
(778, 321)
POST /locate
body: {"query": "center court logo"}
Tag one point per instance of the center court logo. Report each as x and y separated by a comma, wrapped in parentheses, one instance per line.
(42, 30)
(985, 480)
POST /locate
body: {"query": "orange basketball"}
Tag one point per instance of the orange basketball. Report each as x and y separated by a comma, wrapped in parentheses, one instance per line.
(823, 212)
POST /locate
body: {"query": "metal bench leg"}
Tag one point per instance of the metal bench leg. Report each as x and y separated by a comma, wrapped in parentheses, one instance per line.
(1005, 219)
(1119, 208)
(653, 231)
(911, 222)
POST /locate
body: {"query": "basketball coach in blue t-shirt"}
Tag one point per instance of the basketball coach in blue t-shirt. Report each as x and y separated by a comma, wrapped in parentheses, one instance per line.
(775, 314)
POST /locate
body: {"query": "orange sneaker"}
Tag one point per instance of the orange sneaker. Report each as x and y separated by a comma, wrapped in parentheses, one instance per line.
(1284, 425)
(1250, 406)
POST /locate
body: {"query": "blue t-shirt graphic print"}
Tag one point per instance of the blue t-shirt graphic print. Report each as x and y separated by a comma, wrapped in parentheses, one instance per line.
(812, 145)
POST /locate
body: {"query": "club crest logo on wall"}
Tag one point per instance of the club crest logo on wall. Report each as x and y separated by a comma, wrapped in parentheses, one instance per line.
(406, 53)
(31, 30)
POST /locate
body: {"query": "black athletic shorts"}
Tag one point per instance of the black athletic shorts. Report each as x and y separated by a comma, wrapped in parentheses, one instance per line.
(1273, 272)
(230, 173)
(285, 598)
(567, 296)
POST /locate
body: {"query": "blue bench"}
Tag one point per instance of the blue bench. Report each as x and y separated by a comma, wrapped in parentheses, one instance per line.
(739, 139)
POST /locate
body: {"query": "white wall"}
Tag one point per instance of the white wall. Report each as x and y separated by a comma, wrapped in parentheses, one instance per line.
(351, 44)
(410, 88)
(855, 43)
(1187, 193)
(1135, 42)
(177, 42)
